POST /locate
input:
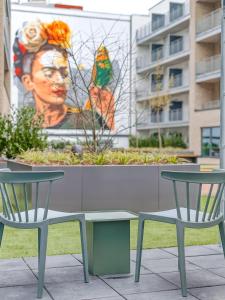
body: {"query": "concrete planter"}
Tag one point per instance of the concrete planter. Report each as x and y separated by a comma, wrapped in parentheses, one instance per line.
(88, 188)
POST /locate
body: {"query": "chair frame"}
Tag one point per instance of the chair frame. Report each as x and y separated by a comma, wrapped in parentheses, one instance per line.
(213, 218)
(12, 215)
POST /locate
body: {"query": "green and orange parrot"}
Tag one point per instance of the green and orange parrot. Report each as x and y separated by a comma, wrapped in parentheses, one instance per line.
(102, 69)
(101, 98)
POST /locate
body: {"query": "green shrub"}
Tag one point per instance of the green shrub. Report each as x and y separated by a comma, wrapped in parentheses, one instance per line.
(59, 144)
(174, 140)
(21, 131)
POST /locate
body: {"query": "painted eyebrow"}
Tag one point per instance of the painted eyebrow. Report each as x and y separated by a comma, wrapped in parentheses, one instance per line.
(54, 68)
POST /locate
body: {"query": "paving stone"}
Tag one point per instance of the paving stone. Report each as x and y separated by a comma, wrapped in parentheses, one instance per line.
(56, 261)
(143, 269)
(193, 251)
(12, 264)
(17, 277)
(78, 257)
(209, 293)
(211, 262)
(64, 274)
(164, 295)
(197, 278)
(109, 298)
(148, 283)
(152, 254)
(166, 265)
(21, 292)
(95, 289)
(217, 248)
(218, 271)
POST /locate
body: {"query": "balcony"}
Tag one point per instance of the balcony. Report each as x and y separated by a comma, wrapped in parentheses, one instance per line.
(210, 105)
(208, 69)
(176, 13)
(167, 119)
(176, 46)
(175, 19)
(175, 115)
(176, 81)
(176, 52)
(157, 54)
(209, 26)
(145, 94)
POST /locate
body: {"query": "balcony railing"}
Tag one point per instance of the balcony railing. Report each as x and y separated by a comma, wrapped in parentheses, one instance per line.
(143, 62)
(209, 22)
(170, 17)
(213, 104)
(157, 87)
(175, 115)
(176, 46)
(208, 65)
(158, 23)
(176, 13)
(175, 81)
(164, 118)
(157, 54)
(157, 118)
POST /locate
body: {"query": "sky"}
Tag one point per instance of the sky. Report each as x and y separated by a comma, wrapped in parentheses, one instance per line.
(114, 6)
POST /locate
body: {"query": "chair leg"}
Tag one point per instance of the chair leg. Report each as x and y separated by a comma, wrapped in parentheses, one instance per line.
(181, 258)
(83, 237)
(222, 236)
(1, 232)
(139, 248)
(42, 247)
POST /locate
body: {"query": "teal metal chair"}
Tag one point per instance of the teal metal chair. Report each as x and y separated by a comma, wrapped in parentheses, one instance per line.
(202, 217)
(15, 188)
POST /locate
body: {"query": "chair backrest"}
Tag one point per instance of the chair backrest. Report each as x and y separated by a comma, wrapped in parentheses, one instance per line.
(15, 189)
(211, 208)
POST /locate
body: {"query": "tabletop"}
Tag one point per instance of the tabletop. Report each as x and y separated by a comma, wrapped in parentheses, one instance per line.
(105, 216)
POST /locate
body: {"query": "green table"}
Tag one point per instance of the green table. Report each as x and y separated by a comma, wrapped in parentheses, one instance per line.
(108, 241)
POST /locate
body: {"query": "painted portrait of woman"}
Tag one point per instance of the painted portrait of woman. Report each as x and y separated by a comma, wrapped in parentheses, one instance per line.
(41, 65)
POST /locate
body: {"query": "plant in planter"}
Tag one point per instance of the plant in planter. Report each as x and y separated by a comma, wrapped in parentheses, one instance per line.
(111, 180)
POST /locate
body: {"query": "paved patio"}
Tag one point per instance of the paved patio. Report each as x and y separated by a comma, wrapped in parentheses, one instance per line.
(159, 280)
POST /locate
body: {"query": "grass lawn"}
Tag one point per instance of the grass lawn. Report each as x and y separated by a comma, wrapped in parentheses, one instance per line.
(65, 238)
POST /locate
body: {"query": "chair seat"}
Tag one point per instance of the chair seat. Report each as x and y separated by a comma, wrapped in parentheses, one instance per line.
(170, 216)
(51, 217)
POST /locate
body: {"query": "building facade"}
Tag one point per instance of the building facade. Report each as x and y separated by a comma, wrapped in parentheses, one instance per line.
(5, 56)
(183, 38)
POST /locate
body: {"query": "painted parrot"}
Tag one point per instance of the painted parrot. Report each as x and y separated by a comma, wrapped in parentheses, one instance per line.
(102, 69)
(101, 98)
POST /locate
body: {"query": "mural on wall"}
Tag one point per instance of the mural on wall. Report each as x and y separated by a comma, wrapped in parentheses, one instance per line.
(47, 78)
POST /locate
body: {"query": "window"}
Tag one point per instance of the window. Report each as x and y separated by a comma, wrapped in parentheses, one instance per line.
(158, 21)
(175, 77)
(157, 82)
(211, 142)
(157, 52)
(176, 111)
(176, 44)
(176, 11)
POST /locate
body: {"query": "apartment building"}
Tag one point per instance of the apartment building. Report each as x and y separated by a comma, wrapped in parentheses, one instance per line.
(5, 56)
(183, 38)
